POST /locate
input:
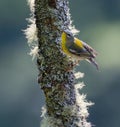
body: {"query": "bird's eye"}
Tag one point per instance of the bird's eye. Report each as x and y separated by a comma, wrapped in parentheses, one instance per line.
(68, 35)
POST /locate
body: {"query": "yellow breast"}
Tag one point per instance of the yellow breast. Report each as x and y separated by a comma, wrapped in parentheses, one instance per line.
(63, 44)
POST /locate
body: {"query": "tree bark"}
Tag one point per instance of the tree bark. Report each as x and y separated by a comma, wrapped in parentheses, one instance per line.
(56, 76)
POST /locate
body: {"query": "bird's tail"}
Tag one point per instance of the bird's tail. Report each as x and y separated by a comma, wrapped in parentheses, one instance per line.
(92, 53)
(92, 60)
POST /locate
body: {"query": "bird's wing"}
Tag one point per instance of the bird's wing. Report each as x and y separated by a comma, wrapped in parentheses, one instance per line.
(93, 54)
(77, 48)
(90, 49)
(83, 50)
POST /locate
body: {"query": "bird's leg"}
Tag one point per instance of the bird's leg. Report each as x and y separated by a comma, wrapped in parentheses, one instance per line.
(76, 62)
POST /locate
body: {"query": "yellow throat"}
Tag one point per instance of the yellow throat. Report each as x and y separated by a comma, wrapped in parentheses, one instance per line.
(63, 44)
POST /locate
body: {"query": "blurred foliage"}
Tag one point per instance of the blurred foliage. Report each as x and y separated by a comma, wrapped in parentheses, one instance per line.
(20, 95)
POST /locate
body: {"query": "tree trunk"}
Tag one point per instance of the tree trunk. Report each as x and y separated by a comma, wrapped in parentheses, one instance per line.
(64, 106)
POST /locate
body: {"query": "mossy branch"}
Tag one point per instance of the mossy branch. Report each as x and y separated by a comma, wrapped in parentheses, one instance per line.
(65, 107)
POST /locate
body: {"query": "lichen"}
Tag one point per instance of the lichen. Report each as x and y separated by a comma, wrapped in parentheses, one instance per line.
(31, 31)
(65, 106)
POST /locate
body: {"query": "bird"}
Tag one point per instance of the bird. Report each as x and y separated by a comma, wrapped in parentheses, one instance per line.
(77, 49)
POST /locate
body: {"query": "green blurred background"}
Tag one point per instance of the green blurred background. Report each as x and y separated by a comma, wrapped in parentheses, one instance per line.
(20, 96)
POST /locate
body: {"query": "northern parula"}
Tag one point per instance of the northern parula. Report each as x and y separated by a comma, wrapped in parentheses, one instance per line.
(77, 49)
